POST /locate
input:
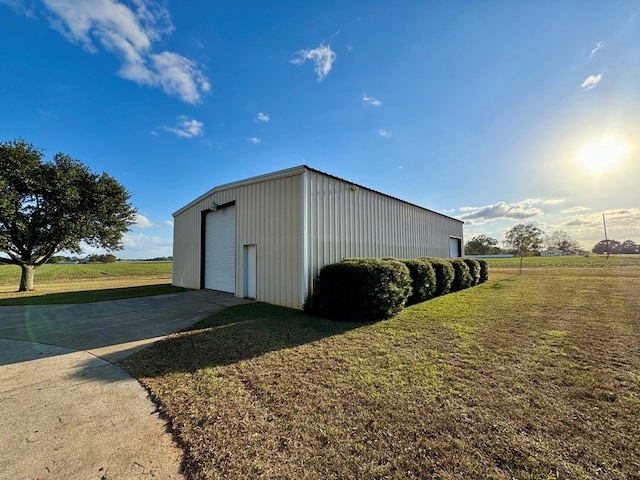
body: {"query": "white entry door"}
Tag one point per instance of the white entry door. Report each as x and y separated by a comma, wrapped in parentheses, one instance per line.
(250, 271)
(455, 247)
(220, 250)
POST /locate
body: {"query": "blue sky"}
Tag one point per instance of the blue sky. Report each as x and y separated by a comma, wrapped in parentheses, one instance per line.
(494, 112)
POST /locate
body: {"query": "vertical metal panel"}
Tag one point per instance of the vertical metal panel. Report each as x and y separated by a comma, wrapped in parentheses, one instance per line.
(349, 221)
(302, 219)
(268, 215)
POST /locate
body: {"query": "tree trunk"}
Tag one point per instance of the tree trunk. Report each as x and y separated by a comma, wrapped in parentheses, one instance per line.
(26, 279)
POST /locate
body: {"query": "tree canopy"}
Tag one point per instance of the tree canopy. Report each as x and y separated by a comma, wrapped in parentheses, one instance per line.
(481, 245)
(561, 240)
(613, 247)
(49, 207)
(523, 239)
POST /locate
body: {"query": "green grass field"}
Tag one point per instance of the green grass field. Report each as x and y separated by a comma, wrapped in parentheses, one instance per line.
(573, 261)
(87, 283)
(532, 376)
(10, 274)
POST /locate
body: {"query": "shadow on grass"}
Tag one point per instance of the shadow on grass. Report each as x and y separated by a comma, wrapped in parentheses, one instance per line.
(88, 296)
(236, 334)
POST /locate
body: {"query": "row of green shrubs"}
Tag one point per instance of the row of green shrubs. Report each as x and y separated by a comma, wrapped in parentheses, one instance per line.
(374, 289)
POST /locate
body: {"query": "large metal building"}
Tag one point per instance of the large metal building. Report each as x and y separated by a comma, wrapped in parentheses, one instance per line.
(266, 237)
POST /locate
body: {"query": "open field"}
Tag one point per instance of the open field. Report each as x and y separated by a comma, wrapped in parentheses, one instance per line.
(87, 283)
(572, 261)
(529, 376)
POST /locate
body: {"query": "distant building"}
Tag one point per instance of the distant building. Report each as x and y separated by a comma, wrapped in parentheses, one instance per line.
(553, 252)
(267, 237)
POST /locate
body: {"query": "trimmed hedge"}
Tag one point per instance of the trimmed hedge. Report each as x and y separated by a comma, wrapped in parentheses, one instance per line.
(372, 289)
(361, 289)
(444, 274)
(484, 269)
(423, 278)
(474, 270)
(462, 276)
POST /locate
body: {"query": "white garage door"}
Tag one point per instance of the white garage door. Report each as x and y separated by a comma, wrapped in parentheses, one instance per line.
(220, 250)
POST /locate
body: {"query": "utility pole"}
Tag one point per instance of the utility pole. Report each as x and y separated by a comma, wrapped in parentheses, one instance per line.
(606, 240)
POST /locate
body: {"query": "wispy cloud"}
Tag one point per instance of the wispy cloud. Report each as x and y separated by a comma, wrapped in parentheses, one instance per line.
(254, 140)
(576, 210)
(322, 57)
(502, 210)
(367, 100)
(187, 127)
(19, 7)
(622, 224)
(384, 133)
(143, 221)
(591, 81)
(599, 46)
(262, 117)
(128, 31)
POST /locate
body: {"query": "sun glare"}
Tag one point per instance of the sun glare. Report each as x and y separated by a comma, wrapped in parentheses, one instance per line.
(602, 155)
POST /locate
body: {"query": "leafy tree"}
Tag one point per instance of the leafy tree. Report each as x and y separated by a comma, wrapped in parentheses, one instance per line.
(48, 207)
(560, 240)
(606, 246)
(106, 258)
(523, 239)
(481, 245)
(629, 246)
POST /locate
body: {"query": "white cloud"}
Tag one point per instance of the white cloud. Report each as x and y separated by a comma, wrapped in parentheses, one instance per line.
(502, 210)
(322, 56)
(139, 245)
(591, 81)
(168, 223)
(576, 210)
(142, 222)
(384, 133)
(262, 117)
(367, 100)
(129, 31)
(622, 224)
(597, 48)
(178, 76)
(254, 140)
(187, 128)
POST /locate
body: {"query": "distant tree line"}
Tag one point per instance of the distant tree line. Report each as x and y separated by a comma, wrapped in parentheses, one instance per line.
(613, 247)
(106, 258)
(523, 240)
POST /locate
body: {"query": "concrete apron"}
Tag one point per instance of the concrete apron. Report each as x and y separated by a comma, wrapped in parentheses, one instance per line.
(66, 411)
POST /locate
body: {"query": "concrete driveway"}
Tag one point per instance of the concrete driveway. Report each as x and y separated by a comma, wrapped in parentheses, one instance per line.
(67, 411)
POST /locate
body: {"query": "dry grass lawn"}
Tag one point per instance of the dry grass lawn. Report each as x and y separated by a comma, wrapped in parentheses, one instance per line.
(530, 377)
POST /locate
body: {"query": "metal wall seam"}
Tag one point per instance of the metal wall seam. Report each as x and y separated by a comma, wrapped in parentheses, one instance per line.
(305, 237)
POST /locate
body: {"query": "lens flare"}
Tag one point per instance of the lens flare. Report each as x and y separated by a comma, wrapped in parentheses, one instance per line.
(602, 155)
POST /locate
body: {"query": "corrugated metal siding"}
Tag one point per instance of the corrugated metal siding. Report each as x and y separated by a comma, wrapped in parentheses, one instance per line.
(301, 219)
(269, 215)
(347, 221)
(186, 248)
